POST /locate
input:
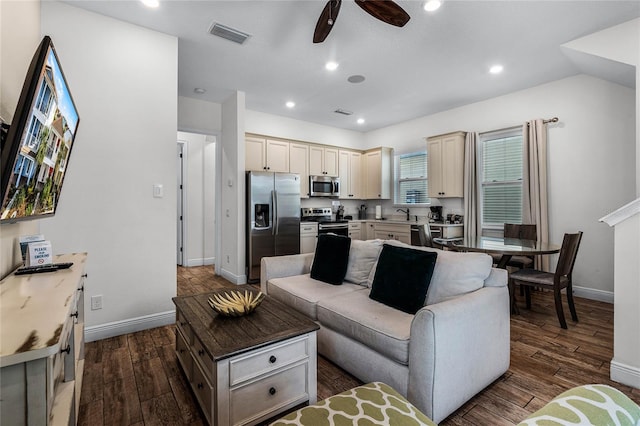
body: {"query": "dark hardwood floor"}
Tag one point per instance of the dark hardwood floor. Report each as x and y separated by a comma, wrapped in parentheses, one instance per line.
(135, 379)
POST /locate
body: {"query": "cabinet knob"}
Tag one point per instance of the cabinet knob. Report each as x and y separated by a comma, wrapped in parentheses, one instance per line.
(264, 168)
(67, 350)
(272, 359)
(268, 168)
(75, 314)
(84, 276)
(201, 352)
(81, 288)
(200, 385)
(272, 391)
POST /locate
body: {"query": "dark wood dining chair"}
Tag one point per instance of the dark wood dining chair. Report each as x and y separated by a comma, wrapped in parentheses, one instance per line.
(521, 232)
(557, 281)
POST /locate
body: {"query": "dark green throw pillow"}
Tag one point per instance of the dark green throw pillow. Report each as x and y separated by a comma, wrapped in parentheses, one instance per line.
(402, 277)
(331, 258)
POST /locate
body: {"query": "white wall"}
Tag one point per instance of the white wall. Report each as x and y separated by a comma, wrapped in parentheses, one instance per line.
(199, 116)
(289, 128)
(591, 157)
(124, 81)
(19, 39)
(200, 194)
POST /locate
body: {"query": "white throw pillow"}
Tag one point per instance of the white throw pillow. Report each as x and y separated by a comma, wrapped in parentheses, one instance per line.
(362, 257)
(455, 273)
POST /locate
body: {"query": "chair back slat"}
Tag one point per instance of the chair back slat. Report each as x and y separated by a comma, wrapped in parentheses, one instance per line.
(520, 231)
(424, 233)
(568, 254)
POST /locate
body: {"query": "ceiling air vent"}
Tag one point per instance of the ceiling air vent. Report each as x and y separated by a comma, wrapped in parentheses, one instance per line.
(343, 111)
(229, 33)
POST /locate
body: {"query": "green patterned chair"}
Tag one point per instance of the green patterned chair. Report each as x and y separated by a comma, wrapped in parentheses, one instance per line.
(371, 404)
(379, 404)
(596, 405)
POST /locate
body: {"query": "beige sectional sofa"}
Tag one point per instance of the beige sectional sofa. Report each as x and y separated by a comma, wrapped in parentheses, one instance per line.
(439, 358)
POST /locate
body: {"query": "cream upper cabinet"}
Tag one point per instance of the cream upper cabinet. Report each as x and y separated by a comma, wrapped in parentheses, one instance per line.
(445, 157)
(299, 163)
(323, 161)
(350, 172)
(266, 155)
(377, 174)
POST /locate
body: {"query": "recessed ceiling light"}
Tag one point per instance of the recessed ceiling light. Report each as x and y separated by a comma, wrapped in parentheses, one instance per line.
(496, 69)
(360, 121)
(290, 104)
(331, 66)
(356, 78)
(151, 3)
(432, 5)
(199, 90)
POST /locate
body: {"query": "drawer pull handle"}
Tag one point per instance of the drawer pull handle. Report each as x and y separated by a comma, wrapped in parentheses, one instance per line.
(200, 385)
(201, 352)
(74, 314)
(67, 350)
(272, 391)
(272, 359)
(81, 288)
(84, 276)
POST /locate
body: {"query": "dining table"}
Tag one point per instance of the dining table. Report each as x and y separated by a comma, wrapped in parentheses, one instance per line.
(507, 248)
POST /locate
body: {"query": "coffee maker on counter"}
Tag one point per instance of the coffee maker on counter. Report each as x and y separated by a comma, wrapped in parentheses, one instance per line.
(436, 214)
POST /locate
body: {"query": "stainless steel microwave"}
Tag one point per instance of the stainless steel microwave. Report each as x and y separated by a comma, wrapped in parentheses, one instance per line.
(324, 186)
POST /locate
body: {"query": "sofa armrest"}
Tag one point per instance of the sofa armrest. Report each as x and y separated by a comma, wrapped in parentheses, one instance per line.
(284, 266)
(458, 347)
(497, 278)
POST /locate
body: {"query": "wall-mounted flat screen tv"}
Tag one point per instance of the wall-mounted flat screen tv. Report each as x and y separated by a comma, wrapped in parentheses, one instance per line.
(36, 152)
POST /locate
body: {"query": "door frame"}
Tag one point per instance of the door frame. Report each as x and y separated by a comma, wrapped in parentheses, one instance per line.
(182, 174)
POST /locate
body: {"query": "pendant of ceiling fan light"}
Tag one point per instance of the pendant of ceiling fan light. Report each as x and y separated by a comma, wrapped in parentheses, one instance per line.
(327, 20)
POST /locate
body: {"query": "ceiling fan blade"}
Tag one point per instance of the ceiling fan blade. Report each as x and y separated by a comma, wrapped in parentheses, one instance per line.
(386, 11)
(327, 20)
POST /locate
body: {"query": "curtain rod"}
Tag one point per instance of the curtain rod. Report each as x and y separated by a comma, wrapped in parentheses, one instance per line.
(551, 120)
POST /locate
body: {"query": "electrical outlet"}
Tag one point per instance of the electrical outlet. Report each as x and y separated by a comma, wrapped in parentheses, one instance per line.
(96, 302)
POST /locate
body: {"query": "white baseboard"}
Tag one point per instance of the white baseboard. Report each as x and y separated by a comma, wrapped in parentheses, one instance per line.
(625, 374)
(201, 262)
(131, 325)
(236, 279)
(593, 294)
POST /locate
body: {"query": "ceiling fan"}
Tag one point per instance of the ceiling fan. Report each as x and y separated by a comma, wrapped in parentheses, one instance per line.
(384, 10)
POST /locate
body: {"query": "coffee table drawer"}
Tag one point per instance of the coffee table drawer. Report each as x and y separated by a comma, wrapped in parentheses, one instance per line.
(183, 325)
(203, 390)
(264, 361)
(267, 395)
(183, 353)
(201, 355)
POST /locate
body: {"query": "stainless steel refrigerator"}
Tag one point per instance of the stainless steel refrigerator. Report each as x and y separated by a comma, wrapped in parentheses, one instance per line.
(273, 217)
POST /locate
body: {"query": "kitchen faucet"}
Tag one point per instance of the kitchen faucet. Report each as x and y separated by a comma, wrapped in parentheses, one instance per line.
(404, 211)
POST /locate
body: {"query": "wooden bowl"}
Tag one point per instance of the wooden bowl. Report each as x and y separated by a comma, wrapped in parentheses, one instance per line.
(235, 303)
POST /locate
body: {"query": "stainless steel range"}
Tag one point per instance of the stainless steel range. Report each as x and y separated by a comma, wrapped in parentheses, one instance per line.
(326, 223)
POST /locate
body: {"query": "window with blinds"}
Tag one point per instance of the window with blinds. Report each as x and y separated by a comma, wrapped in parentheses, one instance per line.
(501, 176)
(411, 179)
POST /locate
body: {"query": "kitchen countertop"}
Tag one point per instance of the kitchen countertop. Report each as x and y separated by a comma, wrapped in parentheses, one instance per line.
(406, 222)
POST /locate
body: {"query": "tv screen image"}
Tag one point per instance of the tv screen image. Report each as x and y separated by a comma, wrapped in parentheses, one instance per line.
(38, 145)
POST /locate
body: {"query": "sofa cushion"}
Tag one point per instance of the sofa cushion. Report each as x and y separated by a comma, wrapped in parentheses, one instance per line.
(376, 325)
(302, 292)
(455, 273)
(331, 258)
(362, 257)
(402, 277)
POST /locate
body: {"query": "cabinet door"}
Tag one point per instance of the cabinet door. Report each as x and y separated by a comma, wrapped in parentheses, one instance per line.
(453, 173)
(277, 156)
(434, 167)
(344, 159)
(369, 231)
(373, 175)
(355, 235)
(355, 173)
(299, 163)
(331, 161)
(255, 154)
(316, 160)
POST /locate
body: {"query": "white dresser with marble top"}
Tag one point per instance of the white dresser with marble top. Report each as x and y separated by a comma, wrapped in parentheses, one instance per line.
(42, 345)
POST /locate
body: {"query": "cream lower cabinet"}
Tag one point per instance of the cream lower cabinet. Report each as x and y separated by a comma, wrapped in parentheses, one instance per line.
(377, 174)
(42, 345)
(355, 230)
(263, 154)
(445, 157)
(387, 231)
(308, 237)
(350, 168)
